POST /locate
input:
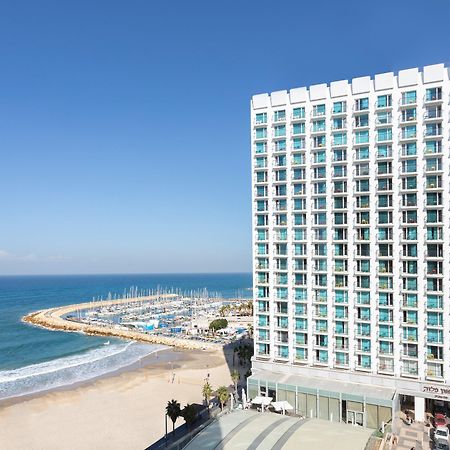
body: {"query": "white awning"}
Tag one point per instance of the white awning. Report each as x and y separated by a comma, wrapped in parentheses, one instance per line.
(260, 400)
(282, 406)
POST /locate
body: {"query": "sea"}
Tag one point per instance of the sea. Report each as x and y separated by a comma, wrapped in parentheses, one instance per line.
(33, 359)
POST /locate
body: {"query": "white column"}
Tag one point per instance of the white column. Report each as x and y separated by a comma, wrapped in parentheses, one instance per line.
(419, 409)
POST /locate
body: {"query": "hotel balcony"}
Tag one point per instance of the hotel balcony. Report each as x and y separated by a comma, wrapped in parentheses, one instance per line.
(386, 368)
(407, 101)
(435, 97)
(409, 372)
(405, 118)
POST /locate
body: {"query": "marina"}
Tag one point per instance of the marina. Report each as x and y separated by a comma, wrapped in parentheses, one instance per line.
(163, 316)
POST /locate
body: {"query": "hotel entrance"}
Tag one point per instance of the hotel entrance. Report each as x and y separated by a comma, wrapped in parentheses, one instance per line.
(358, 405)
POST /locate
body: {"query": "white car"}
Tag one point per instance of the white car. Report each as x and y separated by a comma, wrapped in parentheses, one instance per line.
(441, 435)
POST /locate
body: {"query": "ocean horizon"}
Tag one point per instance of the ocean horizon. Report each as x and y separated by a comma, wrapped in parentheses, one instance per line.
(33, 359)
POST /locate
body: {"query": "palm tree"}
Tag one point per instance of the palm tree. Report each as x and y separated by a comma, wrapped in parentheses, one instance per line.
(173, 410)
(189, 414)
(222, 395)
(207, 392)
(235, 379)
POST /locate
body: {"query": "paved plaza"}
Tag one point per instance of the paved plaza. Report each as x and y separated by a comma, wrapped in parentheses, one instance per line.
(268, 431)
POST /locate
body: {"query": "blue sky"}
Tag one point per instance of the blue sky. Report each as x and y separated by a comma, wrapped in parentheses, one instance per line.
(124, 126)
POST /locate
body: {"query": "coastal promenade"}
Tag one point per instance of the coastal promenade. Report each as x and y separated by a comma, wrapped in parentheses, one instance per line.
(55, 319)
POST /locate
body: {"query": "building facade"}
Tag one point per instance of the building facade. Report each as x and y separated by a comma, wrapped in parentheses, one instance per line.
(351, 198)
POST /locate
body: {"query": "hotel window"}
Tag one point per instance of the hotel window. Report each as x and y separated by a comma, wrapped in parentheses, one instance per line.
(320, 188)
(339, 107)
(261, 118)
(409, 114)
(384, 118)
(362, 104)
(280, 219)
(280, 161)
(318, 110)
(320, 157)
(318, 125)
(299, 204)
(434, 216)
(339, 139)
(409, 149)
(261, 133)
(299, 219)
(339, 123)
(319, 141)
(433, 94)
(362, 153)
(434, 302)
(433, 147)
(384, 101)
(261, 220)
(339, 219)
(261, 162)
(385, 234)
(340, 171)
(261, 147)
(385, 184)
(280, 175)
(409, 200)
(384, 168)
(299, 188)
(320, 172)
(298, 159)
(361, 137)
(409, 183)
(433, 129)
(261, 191)
(298, 128)
(339, 155)
(362, 121)
(384, 134)
(410, 233)
(299, 174)
(279, 115)
(280, 130)
(409, 97)
(280, 190)
(298, 113)
(261, 177)
(280, 146)
(298, 143)
(409, 132)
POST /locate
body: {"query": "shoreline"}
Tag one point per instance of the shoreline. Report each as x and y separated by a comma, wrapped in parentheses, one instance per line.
(119, 410)
(153, 360)
(52, 319)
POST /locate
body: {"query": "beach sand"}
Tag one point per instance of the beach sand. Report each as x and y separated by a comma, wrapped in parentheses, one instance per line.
(123, 411)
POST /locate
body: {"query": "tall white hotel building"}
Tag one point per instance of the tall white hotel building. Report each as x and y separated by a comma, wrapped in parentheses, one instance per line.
(351, 246)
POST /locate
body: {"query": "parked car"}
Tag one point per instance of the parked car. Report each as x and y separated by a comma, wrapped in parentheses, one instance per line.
(440, 420)
(442, 446)
(441, 435)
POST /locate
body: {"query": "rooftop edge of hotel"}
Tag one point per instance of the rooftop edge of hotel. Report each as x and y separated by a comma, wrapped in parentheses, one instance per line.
(361, 85)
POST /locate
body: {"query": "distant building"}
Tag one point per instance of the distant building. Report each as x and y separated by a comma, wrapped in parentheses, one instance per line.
(351, 196)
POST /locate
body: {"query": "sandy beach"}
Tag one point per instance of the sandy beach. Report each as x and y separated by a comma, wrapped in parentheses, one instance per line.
(123, 411)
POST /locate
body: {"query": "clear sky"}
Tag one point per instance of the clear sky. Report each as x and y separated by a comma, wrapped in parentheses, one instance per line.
(124, 125)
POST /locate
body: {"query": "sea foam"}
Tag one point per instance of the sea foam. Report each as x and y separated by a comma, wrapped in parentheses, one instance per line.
(72, 369)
